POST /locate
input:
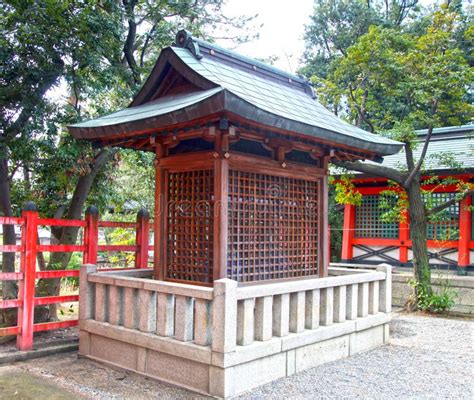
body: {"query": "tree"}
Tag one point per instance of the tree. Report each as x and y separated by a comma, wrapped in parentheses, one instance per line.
(100, 51)
(396, 82)
(337, 25)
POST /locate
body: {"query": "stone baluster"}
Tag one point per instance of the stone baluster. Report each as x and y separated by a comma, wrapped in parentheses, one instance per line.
(183, 321)
(327, 306)
(374, 297)
(115, 305)
(146, 310)
(363, 300)
(297, 312)
(165, 314)
(312, 300)
(263, 318)
(340, 293)
(100, 302)
(202, 322)
(245, 322)
(129, 308)
(281, 314)
(352, 294)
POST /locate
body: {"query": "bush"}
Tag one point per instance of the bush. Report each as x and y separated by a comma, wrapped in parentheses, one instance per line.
(434, 302)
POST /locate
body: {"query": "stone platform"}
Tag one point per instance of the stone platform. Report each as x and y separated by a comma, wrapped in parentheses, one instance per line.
(225, 340)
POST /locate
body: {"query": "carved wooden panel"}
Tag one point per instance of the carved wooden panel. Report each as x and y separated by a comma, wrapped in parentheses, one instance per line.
(273, 227)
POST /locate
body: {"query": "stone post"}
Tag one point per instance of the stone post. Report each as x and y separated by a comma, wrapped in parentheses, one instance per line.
(86, 306)
(224, 316)
(385, 289)
(224, 335)
(86, 292)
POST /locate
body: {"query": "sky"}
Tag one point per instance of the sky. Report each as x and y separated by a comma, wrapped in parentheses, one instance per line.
(282, 32)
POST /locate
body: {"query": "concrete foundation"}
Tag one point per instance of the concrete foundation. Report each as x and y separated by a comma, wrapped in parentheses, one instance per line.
(243, 369)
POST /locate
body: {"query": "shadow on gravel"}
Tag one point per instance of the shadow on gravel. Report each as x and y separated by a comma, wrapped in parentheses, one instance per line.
(401, 329)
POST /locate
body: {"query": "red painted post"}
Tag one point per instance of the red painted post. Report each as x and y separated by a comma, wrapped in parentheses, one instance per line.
(348, 232)
(26, 290)
(91, 235)
(142, 239)
(464, 235)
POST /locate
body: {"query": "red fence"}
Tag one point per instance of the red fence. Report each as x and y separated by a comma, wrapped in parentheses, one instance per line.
(28, 274)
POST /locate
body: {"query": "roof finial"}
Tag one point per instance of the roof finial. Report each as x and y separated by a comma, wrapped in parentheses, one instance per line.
(185, 40)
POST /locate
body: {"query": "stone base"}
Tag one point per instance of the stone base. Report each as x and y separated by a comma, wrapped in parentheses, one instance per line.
(199, 369)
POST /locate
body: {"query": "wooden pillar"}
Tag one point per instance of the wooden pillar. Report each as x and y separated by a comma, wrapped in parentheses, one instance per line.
(465, 234)
(91, 235)
(159, 256)
(324, 221)
(348, 232)
(26, 290)
(221, 189)
(142, 239)
(404, 236)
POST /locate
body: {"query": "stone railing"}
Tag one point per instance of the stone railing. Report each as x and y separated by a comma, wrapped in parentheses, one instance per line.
(229, 338)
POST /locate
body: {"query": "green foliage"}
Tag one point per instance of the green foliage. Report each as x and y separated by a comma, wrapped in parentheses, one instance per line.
(134, 182)
(99, 52)
(383, 76)
(394, 204)
(345, 190)
(433, 302)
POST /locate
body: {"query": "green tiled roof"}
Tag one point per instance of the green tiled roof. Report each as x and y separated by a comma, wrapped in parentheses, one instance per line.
(457, 141)
(245, 87)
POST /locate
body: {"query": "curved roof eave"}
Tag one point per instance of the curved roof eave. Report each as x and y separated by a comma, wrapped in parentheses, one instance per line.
(236, 105)
(215, 101)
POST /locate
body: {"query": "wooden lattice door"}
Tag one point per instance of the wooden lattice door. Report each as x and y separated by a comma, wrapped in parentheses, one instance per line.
(273, 225)
(189, 226)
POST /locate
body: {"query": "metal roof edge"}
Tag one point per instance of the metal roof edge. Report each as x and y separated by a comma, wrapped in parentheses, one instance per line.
(447, 129)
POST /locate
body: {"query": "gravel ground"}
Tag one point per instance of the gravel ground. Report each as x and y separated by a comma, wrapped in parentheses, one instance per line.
(428, 358)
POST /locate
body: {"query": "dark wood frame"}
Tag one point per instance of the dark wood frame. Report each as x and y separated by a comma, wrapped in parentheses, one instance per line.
(221, 159)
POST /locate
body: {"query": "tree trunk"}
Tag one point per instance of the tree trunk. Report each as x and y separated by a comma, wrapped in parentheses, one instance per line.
(9, 288)
(68, 235)
(418, 226)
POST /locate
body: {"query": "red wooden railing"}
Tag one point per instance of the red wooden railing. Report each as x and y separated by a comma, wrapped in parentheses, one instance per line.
(29, 248)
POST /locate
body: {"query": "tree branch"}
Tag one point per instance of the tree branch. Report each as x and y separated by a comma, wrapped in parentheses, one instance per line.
(129, 45)
(446, 204)
(371, 169)
(416, 170)
(146, 43)
(418, 165)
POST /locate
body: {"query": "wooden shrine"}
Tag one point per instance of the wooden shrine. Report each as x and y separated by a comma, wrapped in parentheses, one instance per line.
(242, 152)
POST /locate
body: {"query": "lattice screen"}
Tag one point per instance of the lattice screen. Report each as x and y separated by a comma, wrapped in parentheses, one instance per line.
(445, 225)
(189, 250)
(273, 227)
(368, 222)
